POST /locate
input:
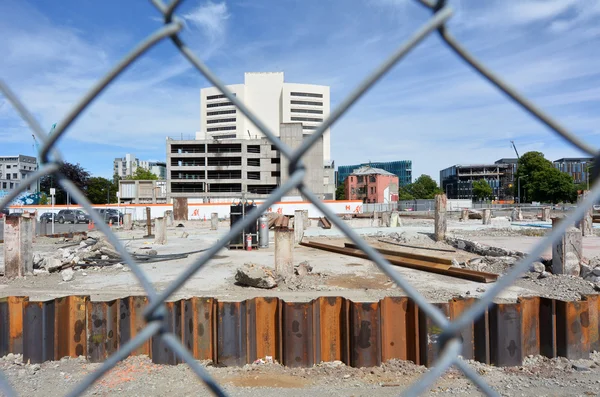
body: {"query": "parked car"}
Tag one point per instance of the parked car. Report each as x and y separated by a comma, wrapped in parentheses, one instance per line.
(46, 216)
(4, 212)
(110, 214)
(72, 216)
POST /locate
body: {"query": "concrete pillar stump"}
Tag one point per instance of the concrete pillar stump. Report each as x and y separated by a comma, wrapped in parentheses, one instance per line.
(546, 214)
(385, 219)
(214, 221)
(487, 216)
(169, 217)
(18, 245)
(127, 222)
(586, 224)
(440, 225)
(160, 231)
(284, 244)
(567, 252)
(464, 215)
(395, 219)
(298, 226)
(306, 219)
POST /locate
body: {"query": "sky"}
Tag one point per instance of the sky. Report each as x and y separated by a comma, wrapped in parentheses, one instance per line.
(431, 108)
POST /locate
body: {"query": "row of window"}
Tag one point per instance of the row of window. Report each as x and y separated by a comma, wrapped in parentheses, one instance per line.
(307, 94)
(309, 127)
(14, 176)
(215, 113)
(9, 185)
(306, 119)
(214, 105)
(228, 128)
(231, 120)
(306, 103)
(220, 96)
(225, 136)
(314, 111)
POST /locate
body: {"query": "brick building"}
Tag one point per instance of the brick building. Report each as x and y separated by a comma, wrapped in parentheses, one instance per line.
(372, 185)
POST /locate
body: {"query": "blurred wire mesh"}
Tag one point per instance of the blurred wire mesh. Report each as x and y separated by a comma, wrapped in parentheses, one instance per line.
(449, 344)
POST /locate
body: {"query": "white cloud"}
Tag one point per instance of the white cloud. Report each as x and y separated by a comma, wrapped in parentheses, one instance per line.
(211, 18)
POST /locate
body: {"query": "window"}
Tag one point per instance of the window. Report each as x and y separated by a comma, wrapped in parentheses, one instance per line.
(11, 185)
(309, 127)
(220, 96)
(23, 175)
(225, 136)
(275, 160)
(8, 166)
(253, 148)
(371, 178)
(314, 120)
(217, 112)
(3, 185)
(276, 174)
(314, 111)
(7, 176)
(306, 103)
(214, 105)
(220, 121)
(306, 94)
(230, 128)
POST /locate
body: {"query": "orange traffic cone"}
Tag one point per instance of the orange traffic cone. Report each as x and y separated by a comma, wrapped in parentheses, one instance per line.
(90, 225)
(110, 223)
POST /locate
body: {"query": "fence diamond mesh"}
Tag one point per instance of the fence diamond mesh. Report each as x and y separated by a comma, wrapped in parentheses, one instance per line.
(449, 343)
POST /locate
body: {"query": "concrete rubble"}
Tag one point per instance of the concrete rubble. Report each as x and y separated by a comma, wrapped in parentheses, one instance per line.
(256, 276)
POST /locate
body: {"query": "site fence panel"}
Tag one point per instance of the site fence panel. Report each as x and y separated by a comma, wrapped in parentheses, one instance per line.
(448, 345)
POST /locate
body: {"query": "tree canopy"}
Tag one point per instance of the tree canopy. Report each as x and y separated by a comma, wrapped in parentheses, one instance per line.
(101, 190)
(482, 190)
(424, 187)
(77, 174)
(340, 192)
(541, 181)
(142, 174)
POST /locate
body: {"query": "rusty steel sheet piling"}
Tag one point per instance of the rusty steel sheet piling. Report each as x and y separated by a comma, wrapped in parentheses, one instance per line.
(131, 321)
(530, 325)
(594, 321)
(198, 327)
(505, 334)
(457, 307)
(572, 329)
(160, 352)
(331, 329)
(263, 328)
(365, 334)
(102, 329)
(399, 329)
(548, 346)
(297, 334)
(70, 329)
(4, 327)
(38, 331)
(231, 333)
(429, 334)
(481, 330)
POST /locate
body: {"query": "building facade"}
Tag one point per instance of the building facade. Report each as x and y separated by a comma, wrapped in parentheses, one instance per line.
(15, 170)
(402, 169)
(126, 166)
(142, 192)
(576, 167)
(372, 185)
(219, 170)
(509, 180)
(457, 181)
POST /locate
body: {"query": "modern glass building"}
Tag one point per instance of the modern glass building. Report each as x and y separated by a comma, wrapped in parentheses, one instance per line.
(576, 167)
(402, 169)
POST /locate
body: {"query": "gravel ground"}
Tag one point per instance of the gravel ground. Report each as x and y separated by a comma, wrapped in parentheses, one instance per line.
(137, 376)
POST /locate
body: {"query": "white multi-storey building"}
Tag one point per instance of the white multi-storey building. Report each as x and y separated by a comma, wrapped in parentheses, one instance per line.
(272, 100)
(126, 166)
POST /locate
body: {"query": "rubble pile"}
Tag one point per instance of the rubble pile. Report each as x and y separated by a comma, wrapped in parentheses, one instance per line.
(591, 271)
(257, 276)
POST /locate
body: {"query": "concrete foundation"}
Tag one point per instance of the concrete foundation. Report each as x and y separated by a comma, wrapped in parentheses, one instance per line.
(440, 224)
(18, 245)
(306, 219)
(298, 226)
(585, 224)
(284, 245)
(546, 214)
(385, 219)
(160, 231)
(169, 217)
(127, 222)
(464, 215)
(395, 219)
(214, 221)
(567, 253)
(486, 216)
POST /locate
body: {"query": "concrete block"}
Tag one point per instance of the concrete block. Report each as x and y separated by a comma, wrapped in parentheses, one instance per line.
(487, 216)
(169, 217)
(127, 222)
(586, 223)
(546, 214)
(214, 221)
(284, 244)
(298, 226)
(306, 219)
(440, 224)
(160, 231)
(18, 245)
(464, 215)
(567, 252)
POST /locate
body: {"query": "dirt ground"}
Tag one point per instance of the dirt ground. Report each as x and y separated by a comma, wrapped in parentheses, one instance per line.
(137, 376)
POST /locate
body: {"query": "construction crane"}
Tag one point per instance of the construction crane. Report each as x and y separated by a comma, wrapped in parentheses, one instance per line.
(514, 147)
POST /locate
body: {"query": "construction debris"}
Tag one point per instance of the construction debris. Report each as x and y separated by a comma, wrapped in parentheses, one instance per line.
(256, 276)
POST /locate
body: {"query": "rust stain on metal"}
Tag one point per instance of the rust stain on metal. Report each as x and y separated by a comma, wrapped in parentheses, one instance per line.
(505, 334)
(331, 331)
(198, 327)
(457, 307)
(70, 336)
(263, 328)
(365, 334)
(15, 323)
(131, 321)
(160, 352)
(530, 325)
(396, 337)
(594, 317)
(297, 333)
(38, 331)
(572, 329)
(429, 335)
(231, 333)
(102, 329)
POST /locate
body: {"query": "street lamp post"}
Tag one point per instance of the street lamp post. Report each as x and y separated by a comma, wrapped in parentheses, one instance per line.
(519, 188)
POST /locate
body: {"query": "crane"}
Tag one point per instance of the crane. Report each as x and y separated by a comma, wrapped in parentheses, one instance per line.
(514, 147)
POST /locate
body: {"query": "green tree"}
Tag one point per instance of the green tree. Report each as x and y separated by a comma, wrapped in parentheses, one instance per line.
(482, 190)
(43, 199)
(100, 190)
(422, 188)
(340, 192)
(541, 181)
(74, 172)
(142, 174)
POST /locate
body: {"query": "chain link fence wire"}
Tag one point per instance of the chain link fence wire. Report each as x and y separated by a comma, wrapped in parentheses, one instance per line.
(450, 343)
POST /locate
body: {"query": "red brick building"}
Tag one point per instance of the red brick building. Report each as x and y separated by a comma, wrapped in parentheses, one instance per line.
(371, 185)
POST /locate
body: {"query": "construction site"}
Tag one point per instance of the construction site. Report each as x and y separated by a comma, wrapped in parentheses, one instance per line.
(294, 304)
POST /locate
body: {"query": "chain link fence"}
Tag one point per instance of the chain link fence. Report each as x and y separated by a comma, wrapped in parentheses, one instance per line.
(449, 344)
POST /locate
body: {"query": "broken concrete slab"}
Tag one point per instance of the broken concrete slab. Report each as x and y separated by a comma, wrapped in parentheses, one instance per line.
(255, 276)
(67, 275)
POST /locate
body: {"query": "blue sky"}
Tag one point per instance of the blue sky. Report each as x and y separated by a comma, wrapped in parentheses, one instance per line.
(431, 108)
